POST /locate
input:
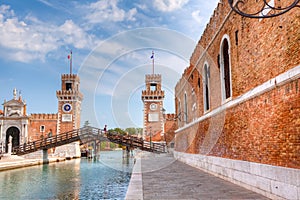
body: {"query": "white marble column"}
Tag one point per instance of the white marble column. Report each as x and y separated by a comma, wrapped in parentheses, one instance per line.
(26, 132)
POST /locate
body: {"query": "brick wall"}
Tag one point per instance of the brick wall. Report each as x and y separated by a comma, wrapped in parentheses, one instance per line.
(170, 126)
(262, 129)
(49, 121)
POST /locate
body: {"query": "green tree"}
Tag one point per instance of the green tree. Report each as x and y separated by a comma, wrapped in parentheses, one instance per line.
(119, 131)
(86, 123)
(131, 131)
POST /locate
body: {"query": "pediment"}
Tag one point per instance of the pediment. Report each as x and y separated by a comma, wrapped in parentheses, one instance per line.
(13, 108)
(13, 102)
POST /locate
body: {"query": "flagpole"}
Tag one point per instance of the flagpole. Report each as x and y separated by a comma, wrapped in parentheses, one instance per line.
(71, 63)
(152, 62)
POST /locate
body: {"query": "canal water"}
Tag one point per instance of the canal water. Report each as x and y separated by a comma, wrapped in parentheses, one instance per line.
(107, 178)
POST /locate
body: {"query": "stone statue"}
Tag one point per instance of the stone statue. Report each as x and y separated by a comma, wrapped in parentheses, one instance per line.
(9, 145)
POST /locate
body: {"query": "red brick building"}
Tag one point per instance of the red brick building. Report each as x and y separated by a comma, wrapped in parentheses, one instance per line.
(158, 126)
(15, 122)
(238, 103)
(153, 99)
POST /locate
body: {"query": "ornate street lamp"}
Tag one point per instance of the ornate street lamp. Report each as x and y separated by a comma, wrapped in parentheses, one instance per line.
(265, 9)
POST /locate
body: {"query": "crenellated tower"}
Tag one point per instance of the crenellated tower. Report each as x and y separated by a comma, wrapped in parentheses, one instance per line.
(153, 98)
(69, 103)
(69, 110)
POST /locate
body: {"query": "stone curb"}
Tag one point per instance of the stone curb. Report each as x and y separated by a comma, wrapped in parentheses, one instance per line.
(135, 188)
(15, 164)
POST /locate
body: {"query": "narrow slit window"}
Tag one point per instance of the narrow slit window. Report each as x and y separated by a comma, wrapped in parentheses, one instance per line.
(185, 108)
(206, 87)
(225, 71)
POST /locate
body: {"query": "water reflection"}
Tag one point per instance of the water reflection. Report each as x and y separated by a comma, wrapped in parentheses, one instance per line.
(75, 179)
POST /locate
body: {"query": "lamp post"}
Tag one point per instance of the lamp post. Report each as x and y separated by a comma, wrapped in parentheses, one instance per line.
(264, 9)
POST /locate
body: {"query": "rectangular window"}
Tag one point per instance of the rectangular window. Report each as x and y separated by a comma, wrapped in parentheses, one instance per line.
(68, 86)
(236, 37)
(42, 128)
(153, 86)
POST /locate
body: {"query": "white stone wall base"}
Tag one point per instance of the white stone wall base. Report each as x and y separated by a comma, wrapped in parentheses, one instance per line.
(34, 155)
(71, 150)
(271, 181)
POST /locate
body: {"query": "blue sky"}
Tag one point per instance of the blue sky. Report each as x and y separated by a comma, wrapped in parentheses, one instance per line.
(111, 40)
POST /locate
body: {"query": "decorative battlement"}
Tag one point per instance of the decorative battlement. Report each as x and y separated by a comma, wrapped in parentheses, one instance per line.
(153, 78)
(43, 116)
(160, 93)
(68, 93)
(70, 77)
(170, 117)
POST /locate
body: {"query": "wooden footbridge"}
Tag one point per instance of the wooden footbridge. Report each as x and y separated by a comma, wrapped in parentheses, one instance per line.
(85, 135)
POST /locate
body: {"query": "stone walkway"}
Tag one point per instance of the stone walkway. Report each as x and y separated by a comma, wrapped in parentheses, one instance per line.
(162, 177)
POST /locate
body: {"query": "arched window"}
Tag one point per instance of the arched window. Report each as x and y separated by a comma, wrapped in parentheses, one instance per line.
(225, 68)
(206, 89)
(185, 114)
(179, 110)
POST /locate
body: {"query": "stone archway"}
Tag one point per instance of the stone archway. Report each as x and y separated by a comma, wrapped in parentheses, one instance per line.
(15, 133)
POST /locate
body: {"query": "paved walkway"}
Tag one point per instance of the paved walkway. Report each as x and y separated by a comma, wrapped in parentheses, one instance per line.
(162, 177)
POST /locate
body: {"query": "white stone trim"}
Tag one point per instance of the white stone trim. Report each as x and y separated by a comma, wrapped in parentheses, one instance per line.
(152, 100)
(271, 181)
(135, 187)
(279, 80)
(222, 71)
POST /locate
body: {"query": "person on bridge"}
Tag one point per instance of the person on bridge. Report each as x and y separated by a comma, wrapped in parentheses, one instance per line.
(105, 128)
(50, 133)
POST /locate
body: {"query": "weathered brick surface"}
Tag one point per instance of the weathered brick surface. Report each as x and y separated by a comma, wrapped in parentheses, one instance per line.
(263, 129)
(170, 126)
(38, 120)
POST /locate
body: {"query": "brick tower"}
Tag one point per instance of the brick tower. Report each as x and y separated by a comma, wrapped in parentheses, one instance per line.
(153, 98)
(69, 108)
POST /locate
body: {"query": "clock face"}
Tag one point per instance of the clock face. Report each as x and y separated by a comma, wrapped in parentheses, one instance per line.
(67, 107)
(153, 106)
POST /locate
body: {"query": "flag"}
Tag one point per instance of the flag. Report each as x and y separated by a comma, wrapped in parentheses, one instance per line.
(70, 56)
(152, 56)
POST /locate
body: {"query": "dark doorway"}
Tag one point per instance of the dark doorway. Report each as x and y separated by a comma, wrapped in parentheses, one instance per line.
(15, 133)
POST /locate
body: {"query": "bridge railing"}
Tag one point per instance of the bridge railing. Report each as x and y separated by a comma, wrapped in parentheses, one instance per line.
(85, 135)
(136, 142)
(155, 147)
(47, 142)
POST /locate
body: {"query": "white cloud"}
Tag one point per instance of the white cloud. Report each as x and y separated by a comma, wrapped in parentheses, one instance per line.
(197, 16)
(32, 39)
(142, 6)
(74, 35)
(108, 10)
(169, 5)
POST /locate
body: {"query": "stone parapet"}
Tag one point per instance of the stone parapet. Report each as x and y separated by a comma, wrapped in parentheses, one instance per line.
(70, 77)
(160, 93)
(153, 77)
(43, 116)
